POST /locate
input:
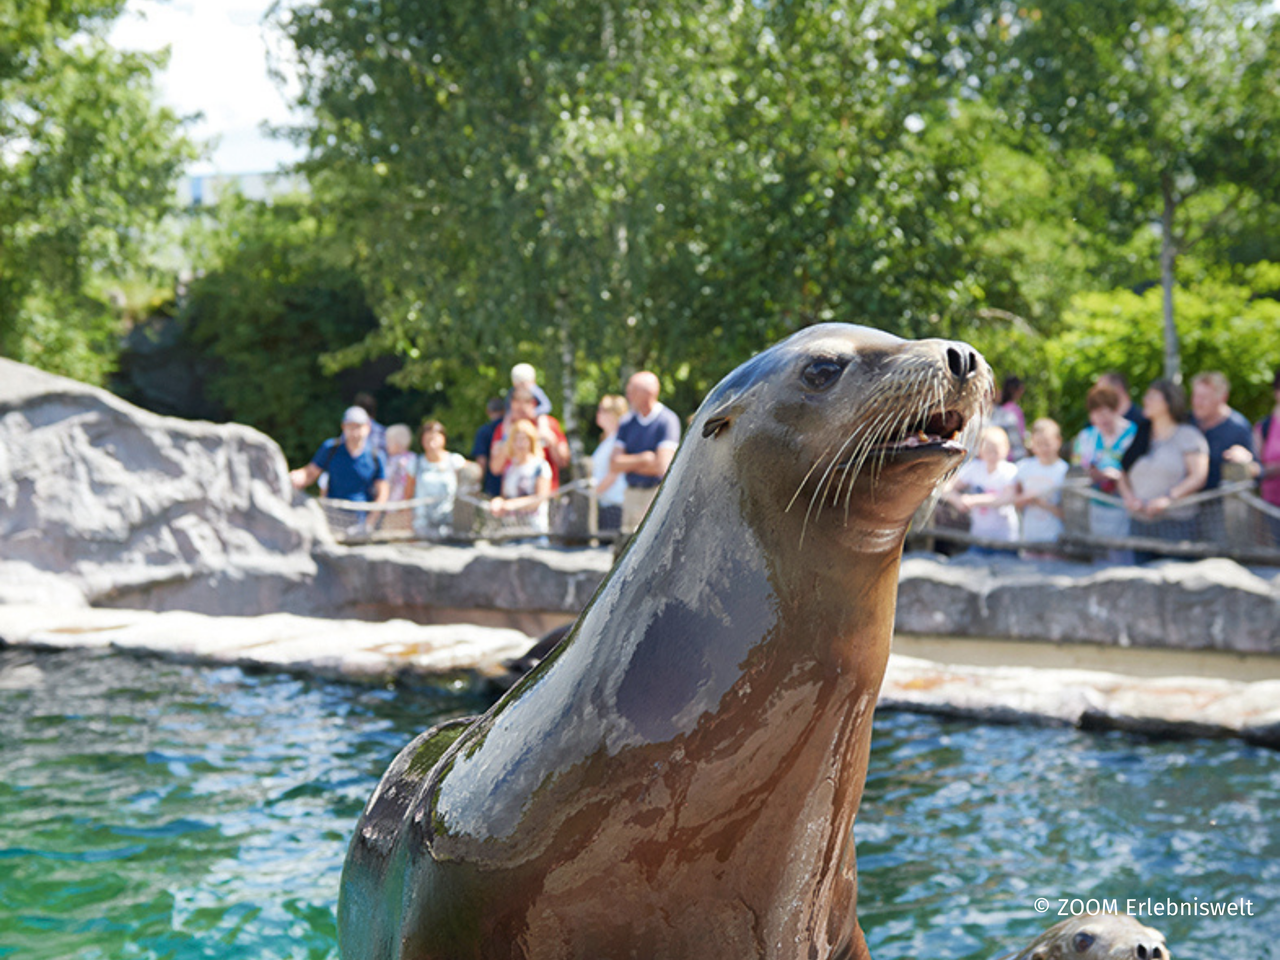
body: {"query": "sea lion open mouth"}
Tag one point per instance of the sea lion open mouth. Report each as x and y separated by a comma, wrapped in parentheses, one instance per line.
(940, 429)
(939, 432)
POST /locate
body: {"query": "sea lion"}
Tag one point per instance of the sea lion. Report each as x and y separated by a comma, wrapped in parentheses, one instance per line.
(679, 777)
(1098, 936)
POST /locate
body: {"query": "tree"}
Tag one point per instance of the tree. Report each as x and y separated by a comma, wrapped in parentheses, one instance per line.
(276, 296)
(599, 186)
(1171, 104)
(87, 163)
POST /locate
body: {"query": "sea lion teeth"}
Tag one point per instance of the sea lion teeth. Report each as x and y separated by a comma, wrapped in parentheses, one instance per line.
(946, 424)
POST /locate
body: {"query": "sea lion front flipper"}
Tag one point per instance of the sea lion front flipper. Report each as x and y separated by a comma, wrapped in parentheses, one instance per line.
(368, 908)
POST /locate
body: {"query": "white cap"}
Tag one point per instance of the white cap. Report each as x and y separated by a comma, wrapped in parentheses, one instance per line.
(355, 415)
(524, 373)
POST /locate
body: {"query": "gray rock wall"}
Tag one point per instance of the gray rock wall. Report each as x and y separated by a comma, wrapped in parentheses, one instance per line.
(509, 578)
(1205, 605)
(102, 502)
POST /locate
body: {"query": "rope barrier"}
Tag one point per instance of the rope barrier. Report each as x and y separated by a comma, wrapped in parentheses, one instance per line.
(358, 521)
(1229, 521)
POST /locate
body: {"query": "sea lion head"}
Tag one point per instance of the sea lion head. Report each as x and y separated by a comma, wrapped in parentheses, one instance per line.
(1098, 936)
(842, 432)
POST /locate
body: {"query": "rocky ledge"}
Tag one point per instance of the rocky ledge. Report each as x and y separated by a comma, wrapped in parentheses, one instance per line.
(405, 652)
(1169, 706)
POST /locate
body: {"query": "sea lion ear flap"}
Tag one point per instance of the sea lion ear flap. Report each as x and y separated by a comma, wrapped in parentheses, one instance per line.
(718, 422)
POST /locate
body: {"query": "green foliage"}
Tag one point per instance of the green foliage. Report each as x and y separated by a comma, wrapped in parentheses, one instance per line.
(1159, 88)
(1168, 109)
(1223, 326)
(599, 187)
(276, 300)
(88, 165)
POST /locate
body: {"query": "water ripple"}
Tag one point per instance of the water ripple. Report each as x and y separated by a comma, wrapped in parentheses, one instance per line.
(234, 795)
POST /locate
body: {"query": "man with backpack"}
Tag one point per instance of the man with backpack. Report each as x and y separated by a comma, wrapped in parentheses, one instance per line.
(356, 471)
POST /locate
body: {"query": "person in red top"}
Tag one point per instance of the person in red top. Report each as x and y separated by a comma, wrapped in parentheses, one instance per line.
(555, 446)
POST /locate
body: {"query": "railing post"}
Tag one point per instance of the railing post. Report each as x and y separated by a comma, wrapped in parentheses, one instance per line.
(466, 515)
(1075, 504)
(1240, 531)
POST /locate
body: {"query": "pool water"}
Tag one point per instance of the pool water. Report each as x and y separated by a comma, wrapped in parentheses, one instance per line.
(150, 810)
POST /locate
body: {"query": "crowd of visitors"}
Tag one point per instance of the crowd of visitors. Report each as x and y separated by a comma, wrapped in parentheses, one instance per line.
(1147, 465)
(520, 452)
(1148, 468)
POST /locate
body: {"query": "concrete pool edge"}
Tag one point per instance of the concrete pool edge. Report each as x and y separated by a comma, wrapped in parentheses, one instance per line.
(992, 686)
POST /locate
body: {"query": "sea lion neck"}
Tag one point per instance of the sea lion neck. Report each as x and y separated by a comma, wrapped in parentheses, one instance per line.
(713, 552)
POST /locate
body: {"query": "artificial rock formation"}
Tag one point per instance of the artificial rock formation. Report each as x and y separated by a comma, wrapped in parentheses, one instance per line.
(104, 503)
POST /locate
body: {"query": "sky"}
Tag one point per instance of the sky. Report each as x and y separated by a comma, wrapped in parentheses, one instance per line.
(217, 67)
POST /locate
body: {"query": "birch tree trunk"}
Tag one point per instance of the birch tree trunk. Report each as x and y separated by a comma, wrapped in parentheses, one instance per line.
(1168, 254)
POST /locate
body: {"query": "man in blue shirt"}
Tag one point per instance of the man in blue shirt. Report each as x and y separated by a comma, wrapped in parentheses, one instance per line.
(1230, 441)
(1228, 432)
(356, 471)
(646, 442)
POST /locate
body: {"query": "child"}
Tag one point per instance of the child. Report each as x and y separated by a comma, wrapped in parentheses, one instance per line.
(400, 467)
(523, 375)
(1038, 485)
(984, 489)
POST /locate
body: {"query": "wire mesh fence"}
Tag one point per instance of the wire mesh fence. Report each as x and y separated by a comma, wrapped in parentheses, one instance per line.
(1230, 521)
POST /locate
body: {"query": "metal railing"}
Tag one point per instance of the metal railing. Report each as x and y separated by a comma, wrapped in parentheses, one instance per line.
(1230, 521)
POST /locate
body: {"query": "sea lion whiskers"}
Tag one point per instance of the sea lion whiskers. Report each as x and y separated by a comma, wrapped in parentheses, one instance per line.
(867, 432)
(824, 480)
(886, 423)
(805, 479)
(923, 377)
(880, 429)
(876, 452)
(877, 449)
(967, 438)
(819, 493)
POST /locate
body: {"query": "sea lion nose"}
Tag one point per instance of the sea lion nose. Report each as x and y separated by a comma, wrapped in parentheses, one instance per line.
(1153, 951)
(961, 361)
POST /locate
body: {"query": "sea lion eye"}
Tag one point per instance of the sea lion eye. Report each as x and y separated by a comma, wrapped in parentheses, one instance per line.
(820, 374)
(1082, 942)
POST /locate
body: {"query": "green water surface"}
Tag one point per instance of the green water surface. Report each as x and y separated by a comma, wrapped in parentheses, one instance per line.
(158, 810)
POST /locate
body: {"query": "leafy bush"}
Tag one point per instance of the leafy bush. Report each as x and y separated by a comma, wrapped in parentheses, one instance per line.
(1222, 324)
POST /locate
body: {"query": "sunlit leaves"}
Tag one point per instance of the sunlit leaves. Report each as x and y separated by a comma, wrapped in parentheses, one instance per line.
(87, 164)
(600, 186)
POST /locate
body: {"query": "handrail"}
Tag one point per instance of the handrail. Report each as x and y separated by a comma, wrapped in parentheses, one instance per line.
(1247, 527)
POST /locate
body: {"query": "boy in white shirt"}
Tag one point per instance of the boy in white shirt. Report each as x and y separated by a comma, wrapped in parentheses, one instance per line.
(1038, 485)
